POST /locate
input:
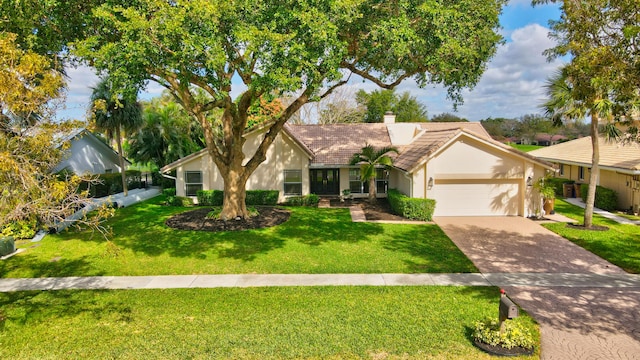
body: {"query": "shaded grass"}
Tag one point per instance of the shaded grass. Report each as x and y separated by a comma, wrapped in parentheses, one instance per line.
(312, 241)
(619, 245)
(251, 323)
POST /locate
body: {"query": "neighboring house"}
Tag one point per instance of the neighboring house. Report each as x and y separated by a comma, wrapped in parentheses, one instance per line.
(545, 139)
(619, 166)
(457, 164)
(87, 154)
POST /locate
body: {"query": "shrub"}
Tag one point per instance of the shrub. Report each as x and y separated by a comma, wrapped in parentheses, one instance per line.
(169, 192)
(411, 208)
(606, 199)
(307, 200)
(7, 245)
(179, 201)
(558, 184)
(210, 197)
(21, 229)
(262, 197)
(516, 333)
(254, 197)
(159, 180)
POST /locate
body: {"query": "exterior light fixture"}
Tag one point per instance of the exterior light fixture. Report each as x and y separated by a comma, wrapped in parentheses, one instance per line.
(430, 183)
(529, 181)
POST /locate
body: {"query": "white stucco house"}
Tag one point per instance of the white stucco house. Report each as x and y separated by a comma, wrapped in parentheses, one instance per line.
(457, 164)
(87, 154)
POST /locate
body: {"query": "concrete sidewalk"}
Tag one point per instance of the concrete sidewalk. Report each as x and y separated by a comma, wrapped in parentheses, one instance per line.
(568, 280)
(603, 213)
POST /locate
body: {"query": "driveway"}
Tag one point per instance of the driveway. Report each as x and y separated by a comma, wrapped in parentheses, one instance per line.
(576, 322)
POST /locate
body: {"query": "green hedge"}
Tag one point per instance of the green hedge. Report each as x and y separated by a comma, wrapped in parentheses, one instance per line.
(210, 197)
(307, 200)
(411, 208)
(169, 192)
(179, 201)
(606, 199)
(558, 185)
(253, 197)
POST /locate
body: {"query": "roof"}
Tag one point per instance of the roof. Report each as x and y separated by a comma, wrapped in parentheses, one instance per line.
(335, 144)
(613, 155)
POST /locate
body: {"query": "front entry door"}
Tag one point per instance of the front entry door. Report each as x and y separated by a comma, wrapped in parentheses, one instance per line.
(325, 181)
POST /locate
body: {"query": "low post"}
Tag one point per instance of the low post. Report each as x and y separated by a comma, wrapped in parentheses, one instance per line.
(508, 309)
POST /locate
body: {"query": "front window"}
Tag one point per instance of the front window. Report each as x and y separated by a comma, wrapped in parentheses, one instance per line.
(382, 181)
(193, 182)
(561, 169)
(355, 182)
(292, 182)
(580, 173)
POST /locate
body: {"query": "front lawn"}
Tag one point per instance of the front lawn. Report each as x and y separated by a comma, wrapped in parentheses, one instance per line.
(250, 323)
(619, 245)
(312, 241)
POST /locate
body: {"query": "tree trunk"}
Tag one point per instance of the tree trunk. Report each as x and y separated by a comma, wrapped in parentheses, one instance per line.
(372, 190)
(234, 202)
(593, 177)
(123, 175)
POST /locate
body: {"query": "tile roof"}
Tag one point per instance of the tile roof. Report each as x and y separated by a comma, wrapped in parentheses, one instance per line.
(579, 151)
(335, 144)
(422, 147)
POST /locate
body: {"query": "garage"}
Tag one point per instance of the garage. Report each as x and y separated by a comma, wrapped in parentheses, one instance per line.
(476, 197)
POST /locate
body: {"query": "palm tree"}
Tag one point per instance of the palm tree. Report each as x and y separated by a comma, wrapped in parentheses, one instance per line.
(566, 102)
(167, 134)
(369, 158)
(112, 115)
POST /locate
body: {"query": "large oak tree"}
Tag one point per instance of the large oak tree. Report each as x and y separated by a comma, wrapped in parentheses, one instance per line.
(300, 48)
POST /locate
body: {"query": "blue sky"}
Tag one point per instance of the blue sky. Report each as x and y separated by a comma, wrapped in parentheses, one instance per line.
(512, 85)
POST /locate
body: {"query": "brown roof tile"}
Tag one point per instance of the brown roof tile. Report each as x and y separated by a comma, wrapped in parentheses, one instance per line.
(425, 145)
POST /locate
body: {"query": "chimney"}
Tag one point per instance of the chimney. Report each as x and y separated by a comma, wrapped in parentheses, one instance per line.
(389, 117)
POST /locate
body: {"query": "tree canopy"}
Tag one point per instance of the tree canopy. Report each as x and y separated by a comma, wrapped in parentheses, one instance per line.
(267, 47)
(378, 102)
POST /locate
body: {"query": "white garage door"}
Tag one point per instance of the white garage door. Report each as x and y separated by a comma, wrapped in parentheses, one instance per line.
(473, 199)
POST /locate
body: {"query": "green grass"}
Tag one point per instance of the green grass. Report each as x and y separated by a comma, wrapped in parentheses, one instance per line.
(619, 245)
(312, 241)
(525, 148)
(250, 323)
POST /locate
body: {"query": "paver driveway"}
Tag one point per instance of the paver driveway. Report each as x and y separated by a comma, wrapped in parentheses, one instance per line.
(576, 322)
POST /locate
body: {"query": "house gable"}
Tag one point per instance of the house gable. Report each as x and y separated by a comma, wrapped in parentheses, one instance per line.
(88, 154)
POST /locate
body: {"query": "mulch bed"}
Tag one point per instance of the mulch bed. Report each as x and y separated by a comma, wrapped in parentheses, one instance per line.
(501, 351)
(271, 216)
(593, 227)
(196, 220)
(381, 210)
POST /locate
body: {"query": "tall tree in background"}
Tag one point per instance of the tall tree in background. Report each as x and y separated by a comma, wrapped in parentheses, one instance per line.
(447, 117)
(278, 48)
(113, 115)
(370, 159)
(167, 134)
(378, 102)
(603, 78)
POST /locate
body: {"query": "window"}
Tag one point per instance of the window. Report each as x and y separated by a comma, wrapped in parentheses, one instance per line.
(580, 173)
(192, 182)
(292, 182)
(355, 183)
(561, 169)
(382, 181)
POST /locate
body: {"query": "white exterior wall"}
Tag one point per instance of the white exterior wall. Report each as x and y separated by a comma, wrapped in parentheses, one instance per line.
(401, 182)
(282, 155)
(470, 175)
(88, 155)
